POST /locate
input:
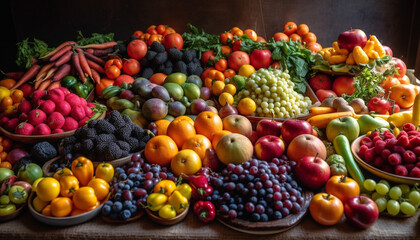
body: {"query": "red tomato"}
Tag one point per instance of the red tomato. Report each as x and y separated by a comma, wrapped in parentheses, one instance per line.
(206, 56)
(137, 49)
(326, 209)
(173, 40)
(342, 187)
(261, 58)
(237, 59)
(131, 66)
(400, 65)
(237, 45)
(123, 78)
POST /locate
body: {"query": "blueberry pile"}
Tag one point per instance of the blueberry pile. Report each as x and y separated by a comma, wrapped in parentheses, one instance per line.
(257, 190)
(130, 187)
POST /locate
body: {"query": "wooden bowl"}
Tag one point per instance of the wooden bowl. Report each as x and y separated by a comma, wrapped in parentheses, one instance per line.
(64, 221)
(155, 218)
(32, 139)
(377, 172)
(309, 93)
(115, 163)
(109, 220)
(270, 227)
(14, 214)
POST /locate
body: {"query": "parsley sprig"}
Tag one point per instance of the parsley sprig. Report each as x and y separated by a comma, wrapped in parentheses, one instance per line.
(28, 50)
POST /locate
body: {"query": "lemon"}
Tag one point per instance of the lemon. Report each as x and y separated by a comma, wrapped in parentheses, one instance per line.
(4, 92)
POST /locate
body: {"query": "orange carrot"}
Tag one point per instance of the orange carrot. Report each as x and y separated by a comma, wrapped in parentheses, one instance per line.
(95, 76)
(58, 49)
(94, 58)
(60, 53)
(63, 59)
(83, 62)
(76, 64)
(100, 45)
(44, 85)
(44, 70)
(62, 72)
(13, 75)
(89, 50)
(50, 73)
(94, 65)
(54, 85)
(32, 71)
(102, 52)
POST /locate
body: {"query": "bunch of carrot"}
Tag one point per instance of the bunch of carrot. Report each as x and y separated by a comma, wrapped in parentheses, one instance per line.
(68, 58)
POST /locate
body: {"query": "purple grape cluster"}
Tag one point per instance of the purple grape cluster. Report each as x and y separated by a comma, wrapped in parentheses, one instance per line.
(257, 190)
(131, 185)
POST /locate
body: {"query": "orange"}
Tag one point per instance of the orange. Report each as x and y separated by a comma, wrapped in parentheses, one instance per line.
(158, 78)
(181, 129)
(199, 144)
(208, 123)
(224, 98)
(309, 37)
(162, 126)
(217, 136)
(186, 118)
(238, 32)
(314, 47)
(246, 106)
(186, 162)
(234, 29)
(217, 87)
(160, 150)
(251, 34)
(302, 29)
(404, 80)
(389, 82)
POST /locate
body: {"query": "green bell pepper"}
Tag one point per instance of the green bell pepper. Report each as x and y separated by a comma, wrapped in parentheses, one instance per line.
(18, 194)
(68, 81)
(81, 90)
(89, 84)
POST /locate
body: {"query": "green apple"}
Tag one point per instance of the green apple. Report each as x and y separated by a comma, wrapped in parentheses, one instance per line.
(369, 123)
(195, 79)
(346, 125)
(177, 77)
(191, 91)
(5, 173)
(175, 90)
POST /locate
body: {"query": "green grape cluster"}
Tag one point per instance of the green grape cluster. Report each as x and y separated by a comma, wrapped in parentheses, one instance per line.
(394, 200)
(272, 91)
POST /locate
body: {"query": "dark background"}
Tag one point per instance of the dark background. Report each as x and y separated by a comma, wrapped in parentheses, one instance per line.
(395, 22)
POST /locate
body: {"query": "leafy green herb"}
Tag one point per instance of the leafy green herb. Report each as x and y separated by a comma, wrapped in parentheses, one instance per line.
(95, 38)
(28, 50)
(366, 85)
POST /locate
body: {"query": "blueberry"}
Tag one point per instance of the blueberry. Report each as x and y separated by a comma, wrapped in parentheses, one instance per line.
(264, 217)
(121, 185)
(255, 217)
(126, 214)
(132, 176)
(137, 183)
(233, 206)
(139, 177)
(127, 204)
(117, 207)
(127, 187)
(277, 215)
(133, 209)
(123, 176)
(106, 210)
(130, 182)
(117, 196)
(109, 202)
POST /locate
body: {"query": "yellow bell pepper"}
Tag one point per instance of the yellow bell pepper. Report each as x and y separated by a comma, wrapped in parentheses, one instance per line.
(179, 202)
(373, 54)
(156, 201)
(378, 46)
(416, 111)
(82, 168)
(336, 59)
(369, 46)
(360, 57)
(350, 59)
(105, 171)
(167, 212)
(400, 118)
(68, 185)
(62, 172)
(185, 190)
(166, 187)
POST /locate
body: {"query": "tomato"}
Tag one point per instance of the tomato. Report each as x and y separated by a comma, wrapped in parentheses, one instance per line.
(237, 59)
(138, 34)
(173, 40)
(137, 49)
(221, 65)
(261, 58)
(112, 72)
(160, 28)
(326, 209)
(167, 31)
(18, 194)
(48, 189)
(124, 78)
(131, 66)
(154, 38)
(236, 45)
(100, 186)
(400, 65)
(84, 198)
(251, 34)
(61, 207)
(280, 37)
(379, 105)
(207, 57)
(289, 28)
(276, 65)
(226, 37)
(342, 187)
(115, 61)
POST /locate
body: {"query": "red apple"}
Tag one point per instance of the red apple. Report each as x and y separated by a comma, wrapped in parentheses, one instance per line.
(292, 128)
(312, 172)
(322, 94)
(260, 58)
(254, 137)
(352, 38)
(400, 66)
(320, 81)
(388, 50)
(268, 127)
(343, 84)
(268, 147)
(361, 211)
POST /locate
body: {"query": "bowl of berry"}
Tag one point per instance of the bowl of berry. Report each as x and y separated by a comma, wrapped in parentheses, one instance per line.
(260, 197)
(395, 158)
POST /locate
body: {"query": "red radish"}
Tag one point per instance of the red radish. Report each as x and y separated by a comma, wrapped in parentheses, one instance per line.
(42, 129)
(36, 116)
(78, 112)
(55, 120)
(91, 105)
(24, 106)
(64, 90)
(3, 120)
(70, 124)
(27, 90)
(11, 124)
(88, 111)
(24, 128)
(63, 107)
(58, 130)
(83, 121)
(83, 102)
(56, 95)
(23, 117)
(37, 95)
(48, 107)
(73, 99)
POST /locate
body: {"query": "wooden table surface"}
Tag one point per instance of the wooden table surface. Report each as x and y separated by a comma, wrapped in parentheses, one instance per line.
(26, 227)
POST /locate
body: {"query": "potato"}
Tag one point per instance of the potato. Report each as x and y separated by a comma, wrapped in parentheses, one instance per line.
(357, 104)
(345, 108)
(365, 110)
(328, 102)
(339, 101)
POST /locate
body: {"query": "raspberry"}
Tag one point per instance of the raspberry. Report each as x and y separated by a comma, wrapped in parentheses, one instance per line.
(403, 141)
(416, 150)
(369, 144)
(365, 140)
(390, 143)
(395, 159)
(369, 155)
(418, 162)
(374, 134)
(409, 166)
(415, 172)
(402, 133)
(385, 153)
(388, 135)
(377, 138)
(413, 133)
(401, 170)
(379, 162)
(379, 146)
(398, 149)
(414, 141)
(408, 127)
(387, 168)
(362, 151)
(409, 157)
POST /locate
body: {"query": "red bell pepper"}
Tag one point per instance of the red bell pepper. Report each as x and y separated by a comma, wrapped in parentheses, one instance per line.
(200, 187)
(205, 211)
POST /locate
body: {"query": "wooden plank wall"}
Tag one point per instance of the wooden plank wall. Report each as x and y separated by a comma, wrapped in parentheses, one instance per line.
(395, 22)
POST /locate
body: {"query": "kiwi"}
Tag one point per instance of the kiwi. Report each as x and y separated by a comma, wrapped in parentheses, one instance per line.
(357, 104)
(338, 102)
